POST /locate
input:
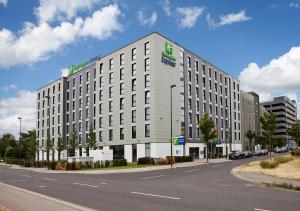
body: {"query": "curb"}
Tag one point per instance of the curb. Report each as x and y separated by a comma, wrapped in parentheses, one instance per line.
(64, 203)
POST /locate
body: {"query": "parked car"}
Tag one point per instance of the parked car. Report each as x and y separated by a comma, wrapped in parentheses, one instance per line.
(281, 150)
(260, 152)
(236, 155)
(248, 154)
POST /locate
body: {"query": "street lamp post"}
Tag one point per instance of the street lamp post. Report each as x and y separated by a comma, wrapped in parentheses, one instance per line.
(171, 88)
(48, 151)
(20, 118)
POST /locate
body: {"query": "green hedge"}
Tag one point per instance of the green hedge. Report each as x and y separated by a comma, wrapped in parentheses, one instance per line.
(119, 162)
(52, 165)
(182, 159)
(146, 161)
(295, 152)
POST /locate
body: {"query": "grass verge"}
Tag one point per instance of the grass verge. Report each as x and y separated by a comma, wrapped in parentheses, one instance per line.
(283, 185)
(274, 162)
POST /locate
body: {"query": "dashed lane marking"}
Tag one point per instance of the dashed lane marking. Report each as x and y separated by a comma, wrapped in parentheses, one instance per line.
(192, 170)
(49, 179)
(154, 195)
(157, 176)
(82, 184)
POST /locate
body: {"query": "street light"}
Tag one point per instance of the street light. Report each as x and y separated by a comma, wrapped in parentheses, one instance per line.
(171, 88)
(48, 99)
(20, 118)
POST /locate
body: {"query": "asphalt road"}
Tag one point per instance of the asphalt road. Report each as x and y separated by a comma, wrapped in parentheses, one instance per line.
(206, 187)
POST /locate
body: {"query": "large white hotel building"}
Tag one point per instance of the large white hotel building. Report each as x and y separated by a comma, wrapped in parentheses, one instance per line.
(126, 97)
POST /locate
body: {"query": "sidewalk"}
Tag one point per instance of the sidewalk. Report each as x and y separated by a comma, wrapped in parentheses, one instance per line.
(197, 162)
(18, 199)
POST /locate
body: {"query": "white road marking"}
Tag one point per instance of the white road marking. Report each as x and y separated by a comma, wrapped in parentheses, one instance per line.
(103, 183)
(42, 186)
(81, 184)
(24, 175)
(192, 170)
(154, 195)
(49, 179)
(216, 166)
(145, 178)
(261, 209)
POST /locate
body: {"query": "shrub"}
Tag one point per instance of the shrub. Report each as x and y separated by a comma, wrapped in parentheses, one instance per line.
(52, 164)
(97, 164)
(146, 161)
(295, 152)
(283, 159)
(164, 161)
(59, 166)
(268, 164)
(68, 166)
(10, 160)
(107, 164)
(181, 159)
(119, 162)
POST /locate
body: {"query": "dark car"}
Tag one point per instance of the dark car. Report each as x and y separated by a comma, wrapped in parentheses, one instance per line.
(236, 155)
(248, 154)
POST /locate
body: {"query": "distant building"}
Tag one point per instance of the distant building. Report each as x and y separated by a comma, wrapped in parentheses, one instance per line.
(286, 115)
(250, 113)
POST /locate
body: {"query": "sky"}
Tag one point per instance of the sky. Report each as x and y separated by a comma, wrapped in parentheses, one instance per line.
(256, 41)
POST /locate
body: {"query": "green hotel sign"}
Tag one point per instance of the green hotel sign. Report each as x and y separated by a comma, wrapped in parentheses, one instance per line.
(167, 55)
(74, 68)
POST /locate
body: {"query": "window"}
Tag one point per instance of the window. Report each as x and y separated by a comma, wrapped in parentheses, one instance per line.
(147, 64)
(121, 88)
(189, 62)
(197, 66)
(133, 84)
(80, 103)
(122, 59)
(147, 114)
(209, 70)
(87, 76)
(87, 113)
(110, 120)
(190, 132)
(203, 69)
(147, 48)
(101, 81)
(133, 69)
(80, 91)
(80, 114)
(133, 116)
(110, 92)
(111, 77)
(110, 104)
(147, 80)
(95, 85)
(87, 89)
(100, 95)
(121, 133)
(121, 118)
(190, 76)
(197, 92)
(133, 100)
(147, 130)
(111, 64)
(190, 90)
(133, 132)
(101, 68)
(216, 76)
(190, 118)
(121, 103)
(147, 97)
(110, 135)
(203, 81)
(80, 79)
(133, 54)
(100, 136)
(100, 122)
(121, 73)
(190, 104)
(87, 101)
(100, 108)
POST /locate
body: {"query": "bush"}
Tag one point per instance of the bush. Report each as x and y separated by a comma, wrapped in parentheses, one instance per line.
(273, 163)
(181, 159)
(10, 160)
(107, 164)
(164, 161)
(97, 164)
(59, 166)
(52, 164)
(295, 152)
(146, 161)
(119, 162)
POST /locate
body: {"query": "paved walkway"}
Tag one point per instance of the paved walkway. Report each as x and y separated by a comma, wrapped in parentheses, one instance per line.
(17, 199)
(257, 177)
(132, 170)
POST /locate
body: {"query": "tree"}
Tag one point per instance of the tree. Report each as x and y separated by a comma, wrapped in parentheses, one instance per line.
(268, 122)
(60, 146)
(280, 142)
(294, 132)
(49, 146)
(73, 143)
(251, 135)
(6, 141)
(208, 130)
(92, 142)
(30, 145)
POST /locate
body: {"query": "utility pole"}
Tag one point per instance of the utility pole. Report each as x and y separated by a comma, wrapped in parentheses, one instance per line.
(171, 88)
(20, 118)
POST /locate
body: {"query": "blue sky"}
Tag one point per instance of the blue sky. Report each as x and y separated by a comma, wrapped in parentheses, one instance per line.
(40, 38)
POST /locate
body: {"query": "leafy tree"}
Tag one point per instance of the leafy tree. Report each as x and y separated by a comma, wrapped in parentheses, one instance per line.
(92, 142)
(251, 135)
(49, 145)
(261, 140)
(73, 143)
(294, 132)
(208, 130)
(7, 141)
(60, 146)
(268, 122)
(30, 144)
(280, 142)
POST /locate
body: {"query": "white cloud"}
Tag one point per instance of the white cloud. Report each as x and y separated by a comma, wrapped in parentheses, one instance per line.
(280, 77)
(64, 72)
(166, 7)
(147, 21)
(188, 16)
(8, 88)
(38, 42)
(227, 19)
(4, 2)
(23, 105)
(50, 10)
(294, 5)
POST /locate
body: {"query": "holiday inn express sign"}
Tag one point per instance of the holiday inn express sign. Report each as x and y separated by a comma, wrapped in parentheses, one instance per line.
(74, 68)
(167, 55)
